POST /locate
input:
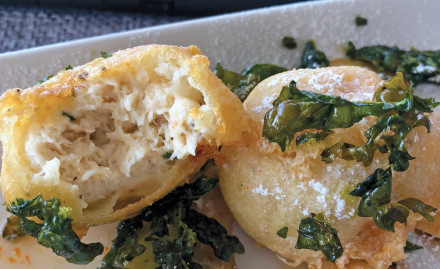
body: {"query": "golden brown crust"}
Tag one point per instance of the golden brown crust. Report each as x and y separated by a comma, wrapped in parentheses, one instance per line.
(223, 122)
(277, 189)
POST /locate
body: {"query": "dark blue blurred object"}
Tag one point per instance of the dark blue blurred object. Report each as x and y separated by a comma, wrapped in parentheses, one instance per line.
(156, 6)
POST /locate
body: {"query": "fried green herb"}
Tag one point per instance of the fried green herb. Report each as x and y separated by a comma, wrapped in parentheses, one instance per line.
(175, 228)
(167, 155)
(13, 228)
(176, 253)
(375, 191)
(376, 197)
(45, 79)
(289, 42)
(400, 121)
(394, 144)
(296, 110)
(419, 207)
(317, 136)
(242, 84)
(386, 215)
(210, 232)
(316, 233)
(68, 67)
(360, 21)
(411, 247)
(56, 229)
(125, 246)
(313, 58)
(283, 232)
(418, 66)
(65, 114)
(105, 55)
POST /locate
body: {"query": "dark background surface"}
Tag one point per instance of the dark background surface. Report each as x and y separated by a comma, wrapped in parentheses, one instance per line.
(30, 23)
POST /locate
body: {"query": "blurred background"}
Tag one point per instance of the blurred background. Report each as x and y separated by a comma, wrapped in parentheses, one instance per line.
(30, 23)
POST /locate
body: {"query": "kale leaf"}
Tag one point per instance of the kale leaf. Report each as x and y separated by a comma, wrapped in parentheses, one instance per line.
(386, 215)
(419, 207)
(400, 122)
(125, 246)
(418, 66)
(411, 247)
(316, 233)
(13, 228)
(317, 136)
(289, 42)
(375, 191)
(105, 55)
(67, 115)
(313, 58)
(210, 232)
(283, 232)
(56, 230)
(376, 197)
(242, 84)
(170, 253)
(45, 79)
(175, 229)
(360, 21)
(296, 110)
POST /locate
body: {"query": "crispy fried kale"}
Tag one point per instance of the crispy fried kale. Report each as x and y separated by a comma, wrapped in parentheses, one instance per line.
(418, 66)
(316, 233)
(125, 246)
(313, 58)
(242, 84)
(55, 231)
(295, 111)
(174, 230)
(13, 228)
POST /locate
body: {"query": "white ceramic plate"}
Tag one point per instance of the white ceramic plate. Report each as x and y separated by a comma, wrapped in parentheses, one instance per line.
(236, 41)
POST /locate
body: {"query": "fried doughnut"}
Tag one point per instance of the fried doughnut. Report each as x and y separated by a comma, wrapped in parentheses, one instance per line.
(267, 189)
(112, 136)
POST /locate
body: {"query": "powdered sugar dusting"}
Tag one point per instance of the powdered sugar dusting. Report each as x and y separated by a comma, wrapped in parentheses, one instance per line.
(276, 192)
(320, 188)
(266, 103)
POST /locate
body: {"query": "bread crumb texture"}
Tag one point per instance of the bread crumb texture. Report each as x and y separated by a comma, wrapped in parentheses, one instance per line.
(116, 134)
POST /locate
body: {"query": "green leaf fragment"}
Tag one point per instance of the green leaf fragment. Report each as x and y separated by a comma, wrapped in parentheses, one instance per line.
(418, 66)
(210, 232)
(411, 247)
(375, 192)
(242, 84)
(65, 114)
(175, 229)
(13, 228)
(167, 155)
(388, 214)
(56, 230)
(125, 246)
(289, 42)
(360, 21)
(309, 136)
(419, 207)
(105, 55)
(296, 110)
(283, 232)
(175, 253)
(316, 233)
(313, 58)
(263, 71)
(45, 79)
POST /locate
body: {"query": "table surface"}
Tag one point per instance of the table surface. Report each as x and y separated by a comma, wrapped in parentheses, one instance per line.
(27, 27)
